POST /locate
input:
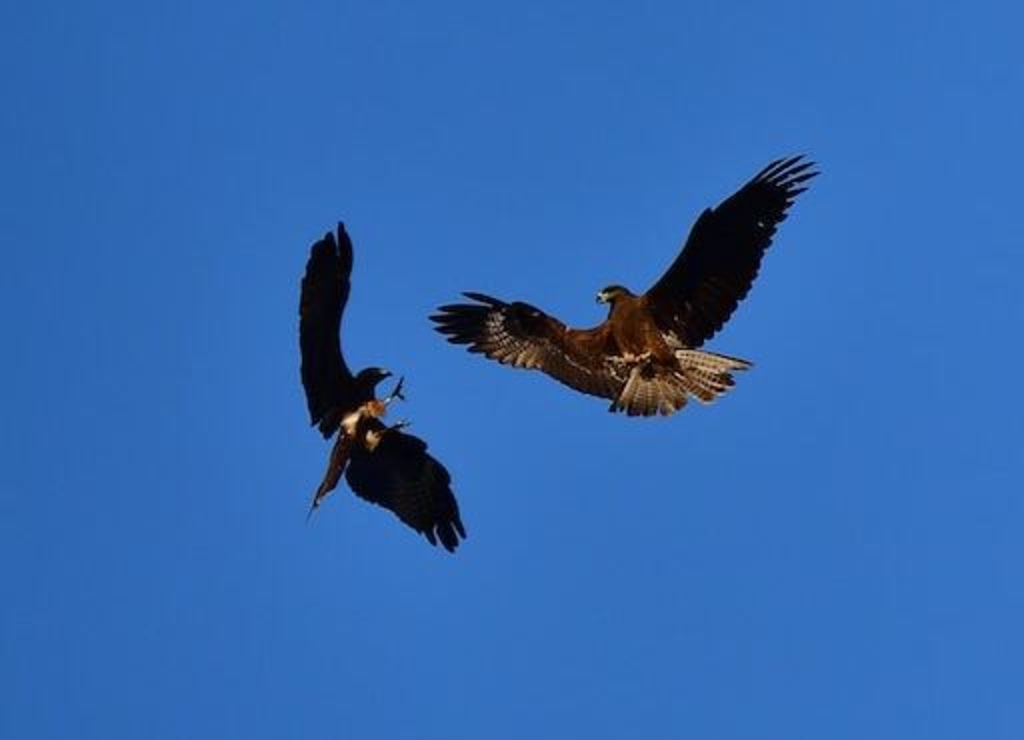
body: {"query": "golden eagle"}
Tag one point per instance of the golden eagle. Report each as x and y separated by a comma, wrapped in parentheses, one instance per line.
(382, 464)
(645, 356)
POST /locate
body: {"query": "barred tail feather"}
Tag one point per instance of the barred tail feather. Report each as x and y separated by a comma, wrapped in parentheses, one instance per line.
(707, 375)
(652, 389)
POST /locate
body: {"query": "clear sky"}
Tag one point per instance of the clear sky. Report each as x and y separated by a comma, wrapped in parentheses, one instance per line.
(833, 550)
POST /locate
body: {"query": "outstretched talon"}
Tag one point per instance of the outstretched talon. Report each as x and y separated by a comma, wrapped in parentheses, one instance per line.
(375, 436)
(396, 393)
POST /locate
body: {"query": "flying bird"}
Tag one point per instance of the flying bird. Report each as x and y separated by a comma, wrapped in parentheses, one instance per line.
(645, 356)
(381, 463)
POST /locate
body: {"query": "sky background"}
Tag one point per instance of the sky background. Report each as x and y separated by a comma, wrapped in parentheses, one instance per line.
(833, 550)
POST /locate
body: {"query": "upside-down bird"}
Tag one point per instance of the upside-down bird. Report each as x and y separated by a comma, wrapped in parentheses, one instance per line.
(382, 464)
(645, 356)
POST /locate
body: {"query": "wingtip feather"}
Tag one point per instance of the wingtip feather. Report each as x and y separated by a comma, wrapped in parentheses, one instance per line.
(787, 170)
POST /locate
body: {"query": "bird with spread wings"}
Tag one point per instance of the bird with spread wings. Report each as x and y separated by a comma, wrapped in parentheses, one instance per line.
(382, 464)
(645, 356)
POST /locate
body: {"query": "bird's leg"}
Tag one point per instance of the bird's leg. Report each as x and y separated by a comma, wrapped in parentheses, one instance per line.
(396, 393)
(399, 425)
(374, 436)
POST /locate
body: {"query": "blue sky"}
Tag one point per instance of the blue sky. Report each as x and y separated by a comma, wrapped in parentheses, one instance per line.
(832, 550)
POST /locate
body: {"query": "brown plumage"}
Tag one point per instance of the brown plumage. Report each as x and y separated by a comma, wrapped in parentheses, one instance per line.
(382, 464)
(645, 356)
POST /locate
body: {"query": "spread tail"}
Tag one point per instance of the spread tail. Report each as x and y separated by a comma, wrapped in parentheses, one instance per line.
(655, 389)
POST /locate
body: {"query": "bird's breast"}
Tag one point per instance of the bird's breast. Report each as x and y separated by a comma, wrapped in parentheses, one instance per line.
(637, 334)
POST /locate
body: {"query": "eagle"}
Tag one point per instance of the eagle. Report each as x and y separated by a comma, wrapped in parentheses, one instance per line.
(382, 464)
(646, 357)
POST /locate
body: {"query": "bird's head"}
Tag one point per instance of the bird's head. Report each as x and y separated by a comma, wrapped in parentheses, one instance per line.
(612, 293)
(368, 377)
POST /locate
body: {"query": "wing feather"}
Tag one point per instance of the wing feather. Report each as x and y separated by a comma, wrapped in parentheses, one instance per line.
(523, 336)
(325, 288)
(400, 475)
(721, 257)
(335, 467)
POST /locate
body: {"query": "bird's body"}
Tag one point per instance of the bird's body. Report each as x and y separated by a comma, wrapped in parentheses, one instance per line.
(382, 464)
(634, 332)
(645, 356)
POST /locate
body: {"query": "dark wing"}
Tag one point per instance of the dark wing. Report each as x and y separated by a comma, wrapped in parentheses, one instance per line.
(325, 289)
(335, 467)
(399, 475)
(722, 254)
(522, 335)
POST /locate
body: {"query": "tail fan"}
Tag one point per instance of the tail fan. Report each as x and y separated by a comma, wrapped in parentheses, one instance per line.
(652, 389)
